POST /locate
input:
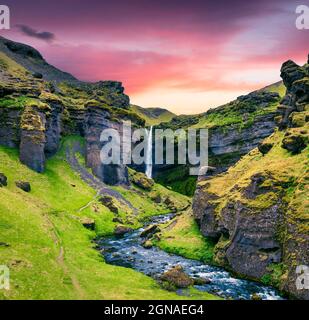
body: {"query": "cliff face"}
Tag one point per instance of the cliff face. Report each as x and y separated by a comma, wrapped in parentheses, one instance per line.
(35, 113)
(258, 211)
(234, 129)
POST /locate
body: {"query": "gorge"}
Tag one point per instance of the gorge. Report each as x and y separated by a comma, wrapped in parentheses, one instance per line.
(246, 218)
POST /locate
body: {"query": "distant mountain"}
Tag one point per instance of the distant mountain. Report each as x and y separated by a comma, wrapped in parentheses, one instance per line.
(32, 60)
(153, 116)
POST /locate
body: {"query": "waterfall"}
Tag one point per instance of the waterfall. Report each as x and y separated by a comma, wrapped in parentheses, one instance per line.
(148, 171)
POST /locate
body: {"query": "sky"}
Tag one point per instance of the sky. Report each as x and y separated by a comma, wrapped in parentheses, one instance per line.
(186, 56)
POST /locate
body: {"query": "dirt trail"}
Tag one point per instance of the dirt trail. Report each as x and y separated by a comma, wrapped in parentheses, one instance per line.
(90, 179)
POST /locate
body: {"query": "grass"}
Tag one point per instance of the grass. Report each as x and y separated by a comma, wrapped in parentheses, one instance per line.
(183, 238)
(178, 179)
(233, 114)
(49, 252)
(153, 116)
(12, 67)
(278, 162)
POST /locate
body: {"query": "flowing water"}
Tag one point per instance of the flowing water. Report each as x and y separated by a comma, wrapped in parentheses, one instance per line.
(148, 171)
(128, 251)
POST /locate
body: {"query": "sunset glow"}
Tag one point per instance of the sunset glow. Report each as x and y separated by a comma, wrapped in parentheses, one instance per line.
(186, 56)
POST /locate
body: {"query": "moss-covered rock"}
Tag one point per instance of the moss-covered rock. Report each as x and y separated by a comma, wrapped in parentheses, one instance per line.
(109, 203)
(23, 185)
(265, 147)
(177, 277)
(295, 142)
(141, 180)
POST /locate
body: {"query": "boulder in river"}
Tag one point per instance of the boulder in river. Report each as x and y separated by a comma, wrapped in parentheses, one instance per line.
(147, 244)
(177, 277)
(121, 230)
(150, 230)
(256, 296)
(201, 281)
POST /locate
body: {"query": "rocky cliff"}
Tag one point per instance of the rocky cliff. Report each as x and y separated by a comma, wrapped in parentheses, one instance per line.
(234, 130)
(39, 104)
(257, 211)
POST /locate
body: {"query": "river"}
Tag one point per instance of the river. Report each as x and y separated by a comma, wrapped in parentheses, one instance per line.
(127, 251)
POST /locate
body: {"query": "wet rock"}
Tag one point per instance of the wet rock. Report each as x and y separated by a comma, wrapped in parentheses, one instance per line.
(265, 147)
(201, 281)
(3, 180)
(23, 185)
(256, 297)
(108, 202)
(88, 223)
(149, 231)
(122, 230)
(177, 277)
(147, 244)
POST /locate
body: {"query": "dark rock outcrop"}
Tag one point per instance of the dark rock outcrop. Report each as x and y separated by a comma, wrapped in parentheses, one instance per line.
(97, 119)
(265, 147)
(3, 180)
(32, 142)
(35, 113)
(259, 229)
(295, 142)
(108, 202)
(23, 185)
(149, 231)
(88, 223)
(10, 127)
(141, 180)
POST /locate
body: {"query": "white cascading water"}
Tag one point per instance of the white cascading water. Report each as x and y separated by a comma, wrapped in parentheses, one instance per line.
(149, 154)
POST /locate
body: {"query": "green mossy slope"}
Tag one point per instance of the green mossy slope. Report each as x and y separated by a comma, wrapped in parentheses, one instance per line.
(49, 253)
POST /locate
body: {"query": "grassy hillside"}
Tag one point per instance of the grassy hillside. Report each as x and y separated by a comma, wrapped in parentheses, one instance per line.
(49, 252)
(182, 237)
(153, 116)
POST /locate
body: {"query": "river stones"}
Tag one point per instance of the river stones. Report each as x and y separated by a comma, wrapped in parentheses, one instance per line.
(149, 231)
(122, 230)
(201, 281)
(147, 244)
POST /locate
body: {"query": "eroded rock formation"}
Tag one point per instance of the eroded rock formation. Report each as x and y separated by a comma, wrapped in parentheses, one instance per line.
(252, 212)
